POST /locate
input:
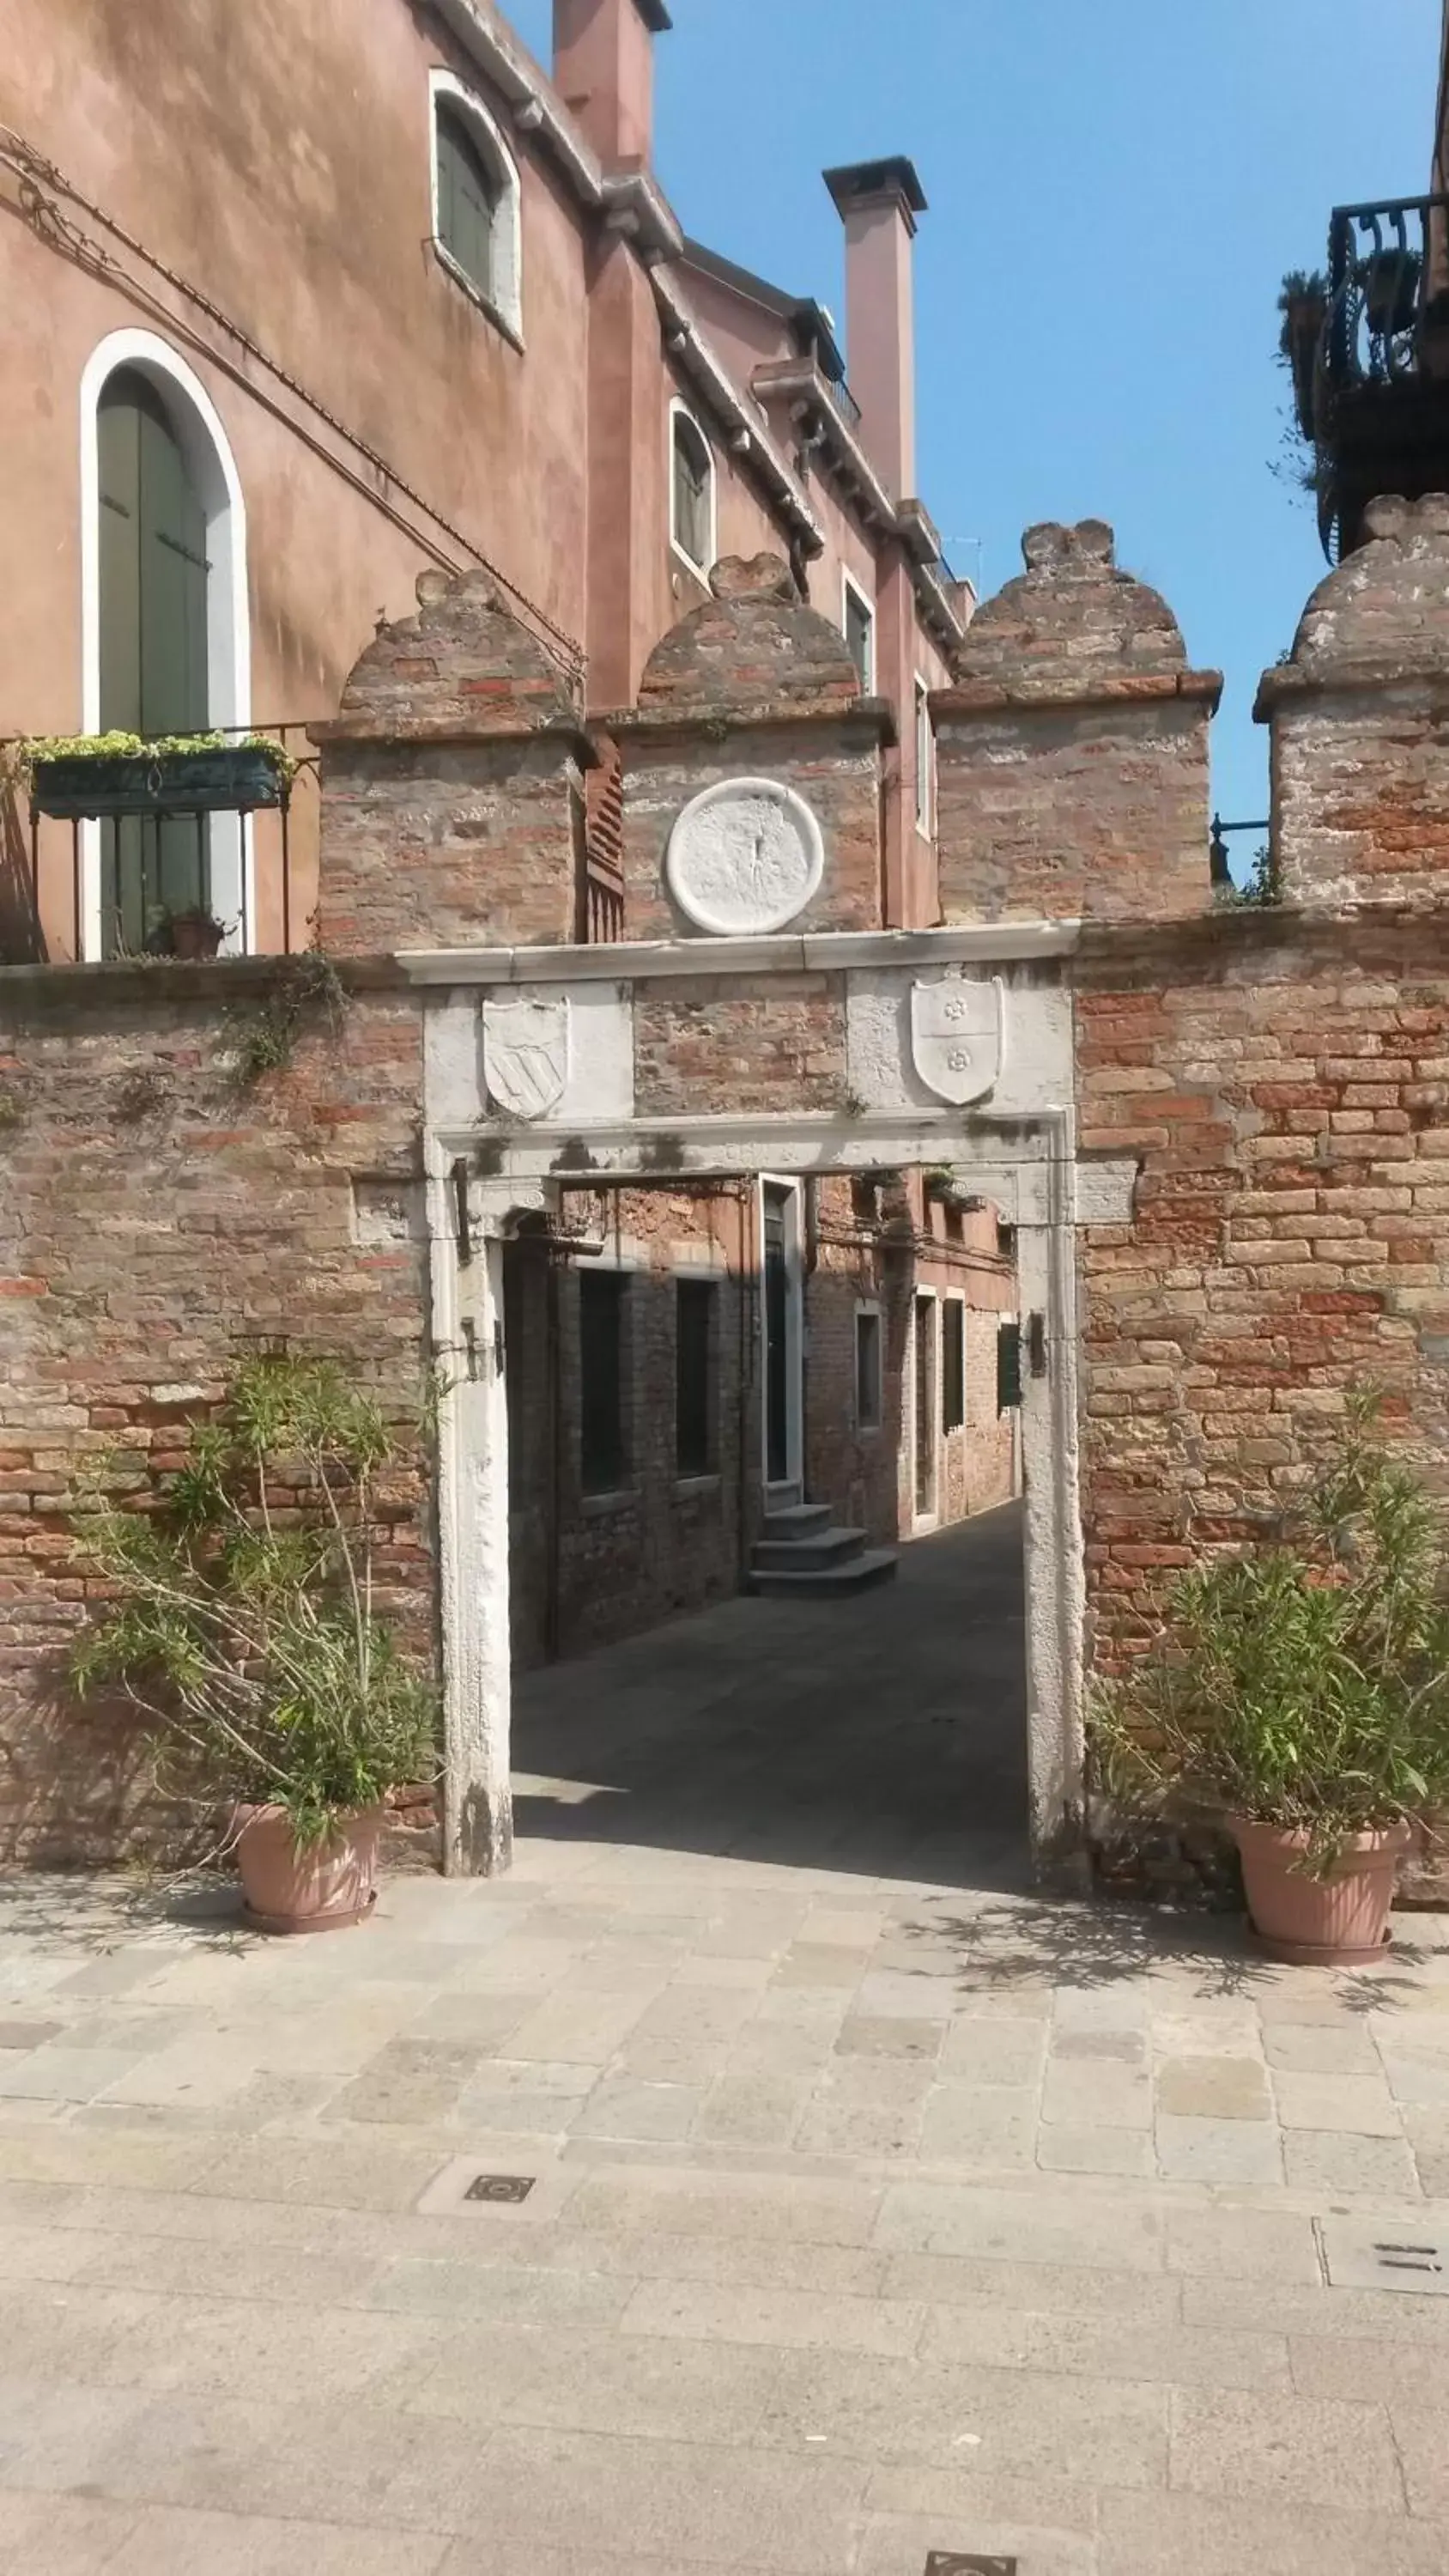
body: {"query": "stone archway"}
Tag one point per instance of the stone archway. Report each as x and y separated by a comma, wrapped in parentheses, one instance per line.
(487, 1171)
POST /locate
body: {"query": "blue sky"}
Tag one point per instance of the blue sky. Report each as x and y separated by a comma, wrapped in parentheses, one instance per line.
(1115, 192)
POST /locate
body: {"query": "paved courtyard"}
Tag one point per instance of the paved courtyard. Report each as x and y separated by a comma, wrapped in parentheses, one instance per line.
(878, 2206)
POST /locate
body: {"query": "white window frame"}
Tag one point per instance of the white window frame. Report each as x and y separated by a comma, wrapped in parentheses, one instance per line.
(851, 588)
(953, 1297)
(794, 1191)
(505, 305)
(868, 1427)
(679, 411)
(928, 1519)
(217, 484)
(925, 766)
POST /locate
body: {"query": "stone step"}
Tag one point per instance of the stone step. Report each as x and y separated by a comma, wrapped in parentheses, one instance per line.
(808, 1555)
(828, 1583)
(795, 1521)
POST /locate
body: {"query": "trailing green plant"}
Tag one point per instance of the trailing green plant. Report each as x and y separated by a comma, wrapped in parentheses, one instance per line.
(263, 1040)
(1303, 300)
(38, 748)
(1261, 889)
(249, 1632)
(1303, 291)
(1305, 1685)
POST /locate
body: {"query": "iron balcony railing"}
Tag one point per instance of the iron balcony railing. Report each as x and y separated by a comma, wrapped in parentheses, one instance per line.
(176, 848)
(1388, 277)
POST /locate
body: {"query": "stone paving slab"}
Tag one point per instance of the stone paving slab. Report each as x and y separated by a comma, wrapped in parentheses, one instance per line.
(873, 2212)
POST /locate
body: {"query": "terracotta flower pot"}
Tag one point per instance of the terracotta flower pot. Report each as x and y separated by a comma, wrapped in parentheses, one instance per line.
(1337, 1921)
(322, 1888)
(195, 934)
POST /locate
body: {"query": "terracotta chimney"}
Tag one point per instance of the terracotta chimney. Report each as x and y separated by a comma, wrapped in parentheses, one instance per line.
(603, 69)
(878, 202)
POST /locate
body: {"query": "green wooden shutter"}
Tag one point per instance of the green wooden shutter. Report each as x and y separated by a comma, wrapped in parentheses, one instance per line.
(118, 429)
(467, 202)
(173, 587)
(153, 676)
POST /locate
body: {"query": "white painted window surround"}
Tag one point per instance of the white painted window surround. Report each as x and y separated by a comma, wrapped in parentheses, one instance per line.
(504, 301)
(953, 1323)
(212, 469)
(691, 456)
(857, 625)
(869, 1365)
(925, 760)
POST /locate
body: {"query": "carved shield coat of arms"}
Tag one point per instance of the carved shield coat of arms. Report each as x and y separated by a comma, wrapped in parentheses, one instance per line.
(957, 1032)
(525, 1055)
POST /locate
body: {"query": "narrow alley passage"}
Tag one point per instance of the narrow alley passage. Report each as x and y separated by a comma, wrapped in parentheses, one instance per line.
(882, 1735)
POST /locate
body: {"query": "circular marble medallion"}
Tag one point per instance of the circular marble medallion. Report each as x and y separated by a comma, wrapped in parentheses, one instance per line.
(744, 858)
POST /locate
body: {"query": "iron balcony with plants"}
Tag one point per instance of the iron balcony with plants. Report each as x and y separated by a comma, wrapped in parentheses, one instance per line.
(1366, 343)
(154, 804)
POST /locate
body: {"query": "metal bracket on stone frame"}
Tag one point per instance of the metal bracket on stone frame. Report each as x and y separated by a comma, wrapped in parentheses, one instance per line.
(1041, 1190)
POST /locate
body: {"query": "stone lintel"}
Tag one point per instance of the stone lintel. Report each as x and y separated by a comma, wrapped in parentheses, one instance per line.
(1297, 683)
(872, 717)
(408, 731)
(969, 698)
(64, 985)
(825, 952)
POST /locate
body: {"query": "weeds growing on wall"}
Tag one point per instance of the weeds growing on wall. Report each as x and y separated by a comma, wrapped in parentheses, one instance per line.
(263, 1039)
(1261, 889)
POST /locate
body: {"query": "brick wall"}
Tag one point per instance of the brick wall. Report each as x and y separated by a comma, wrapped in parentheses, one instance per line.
(755, 684)
(1073, 747)
(850, 1465)
(885, 1259)
(1285, 1083)
(961, 1258)
(754, 644)
(158, 1218)
(704, 1041)
(455, 799)
(833, 762)
(589, 1568)
(1360, 718)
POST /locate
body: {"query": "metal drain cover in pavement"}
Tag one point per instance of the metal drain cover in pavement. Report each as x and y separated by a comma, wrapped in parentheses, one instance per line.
(1380, 2254)
(948, 2562)
(508, 2187)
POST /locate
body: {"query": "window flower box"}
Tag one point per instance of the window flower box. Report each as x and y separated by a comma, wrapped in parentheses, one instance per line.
(78, 780)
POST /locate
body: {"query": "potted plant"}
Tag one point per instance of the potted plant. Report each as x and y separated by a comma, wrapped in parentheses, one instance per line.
(1301, 1692)
(241, 1619)
(194, 931)
(1390, 281)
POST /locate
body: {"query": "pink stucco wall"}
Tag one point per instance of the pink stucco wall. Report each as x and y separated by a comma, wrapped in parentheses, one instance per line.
(261, 203)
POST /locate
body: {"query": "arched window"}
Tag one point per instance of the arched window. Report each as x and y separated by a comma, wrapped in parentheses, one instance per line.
(692, 492)
(153, 579)
(477, 226)
(166, 645)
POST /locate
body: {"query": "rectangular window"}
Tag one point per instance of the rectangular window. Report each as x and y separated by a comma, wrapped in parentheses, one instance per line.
(859, 625)
(1008, 1366)
(603, 1326)
(694, 1377)
(925, 762)
(927, 1381)
(953, 1364)
(867, 1369)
